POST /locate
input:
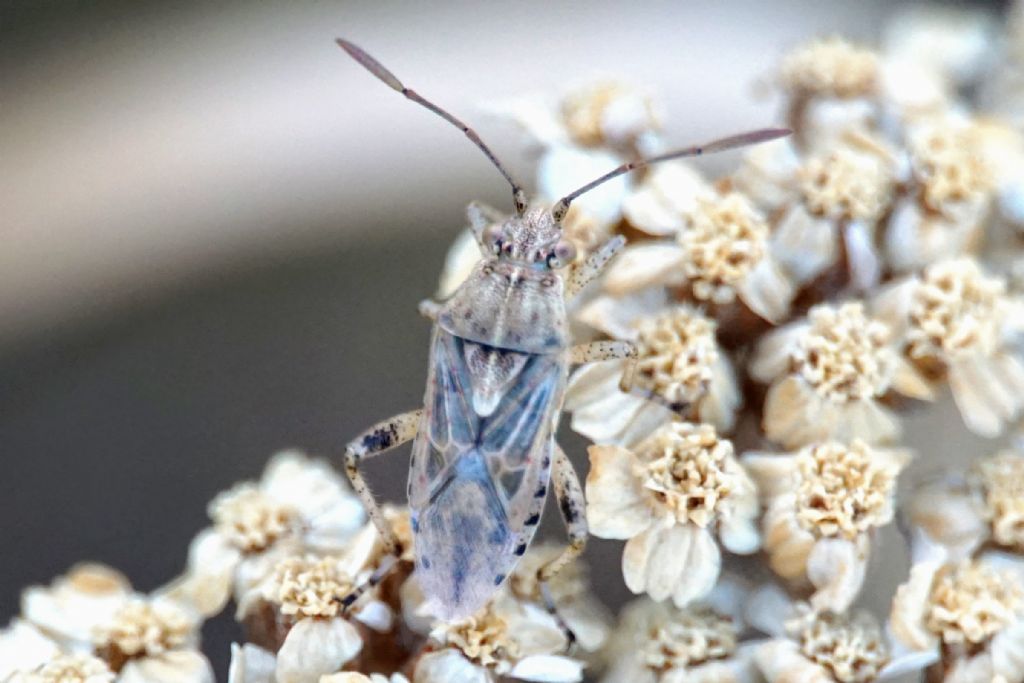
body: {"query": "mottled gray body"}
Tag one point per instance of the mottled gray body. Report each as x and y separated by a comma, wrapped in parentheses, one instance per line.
(481, 461)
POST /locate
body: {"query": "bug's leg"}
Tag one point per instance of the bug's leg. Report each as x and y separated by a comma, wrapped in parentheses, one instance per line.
(582, 274)
(573, 505)
(376, 440)
(429, 309)
(592, 352)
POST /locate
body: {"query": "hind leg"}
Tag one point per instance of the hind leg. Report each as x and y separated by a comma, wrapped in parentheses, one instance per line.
(572, 505)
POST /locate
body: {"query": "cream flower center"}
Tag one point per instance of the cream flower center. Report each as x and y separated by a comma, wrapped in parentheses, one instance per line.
(595, 113)
(955, 311)
(73, 669)
(971, 603)
(251, 520)
(676, 354)
(831, 67)
(844, 354)
(843, 490)
(309, 587)
(851, 647)
(689, 638)
(725, 239)
(690, 471)
(483, 639)
(144, 629)
(845, 185)
(948, 166)
(1002, 478)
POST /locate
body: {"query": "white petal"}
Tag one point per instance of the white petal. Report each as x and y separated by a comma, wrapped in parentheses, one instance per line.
(311, 486)
(739, 534)
(615, 506)
(314, 647)
(548, 669)
(805, 245)
(700, 573)
(459, 262)
(836, 568)
(72, 608)
(644, 265)
(906, 619)
(1007, 650)
(23, 647)
(768, 609)
(772, 472)
(616, 316)
(206, 585)
(906, 663)
(562, 169)
(251, 664)
(377, 615)
(767, 291)
(771, 357)
(448, 666)
(781, 662)
(177, 666)
(636, 555)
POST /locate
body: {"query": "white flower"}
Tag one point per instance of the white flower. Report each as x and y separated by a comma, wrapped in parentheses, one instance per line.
(955, 322)
(679, 365)
(659, 643)
(667, 497)
(301, 599)
(300, 504)
(80, 668)
(808, 646)
(970, 614)
(822, 504)
(827, 374)
(509, 638)
(23, 647)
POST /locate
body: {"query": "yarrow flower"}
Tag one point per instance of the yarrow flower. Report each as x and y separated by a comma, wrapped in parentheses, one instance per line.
(956, 323)
(81, 668)
(828, 374)
(668, 497)
(822, 504)
(299, 505)
(678, 366)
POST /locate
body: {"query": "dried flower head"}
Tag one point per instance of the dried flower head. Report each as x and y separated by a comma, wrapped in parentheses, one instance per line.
(850, 646)
(145, 628)
(955, 311)
(676, 354)
(844, 354)
(686, 638)
(309, 586)
(971, 602)
(724, 241)
(1002, 482)
(484, 639)
(846, 184)
(679, 485)
(949, 167)
(843, 490)
(831, 67)
(688, 471)
(607, 113)
(251, 519)
(77, 668)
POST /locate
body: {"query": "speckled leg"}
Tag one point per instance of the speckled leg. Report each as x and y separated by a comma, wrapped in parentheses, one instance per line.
(588, 270)
(573, 506)
(379, 438)
(592, 352)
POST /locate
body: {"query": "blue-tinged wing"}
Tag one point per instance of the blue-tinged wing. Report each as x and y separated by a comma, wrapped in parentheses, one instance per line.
(480, 467)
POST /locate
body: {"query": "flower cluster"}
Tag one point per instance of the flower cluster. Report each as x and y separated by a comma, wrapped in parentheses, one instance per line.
(782, 322)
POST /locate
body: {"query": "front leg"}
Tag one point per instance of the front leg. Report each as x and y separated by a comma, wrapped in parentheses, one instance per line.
(591, 352)
(582, 274)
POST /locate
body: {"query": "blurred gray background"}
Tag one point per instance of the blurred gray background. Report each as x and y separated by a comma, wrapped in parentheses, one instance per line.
(215, 228)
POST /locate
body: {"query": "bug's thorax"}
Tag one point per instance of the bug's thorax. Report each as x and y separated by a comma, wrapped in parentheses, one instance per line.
(514, 298)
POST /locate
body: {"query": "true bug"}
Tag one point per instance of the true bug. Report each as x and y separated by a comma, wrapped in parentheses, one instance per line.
(484, 446)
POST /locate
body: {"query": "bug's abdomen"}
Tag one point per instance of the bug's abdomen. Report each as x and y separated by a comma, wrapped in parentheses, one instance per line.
(480, 467)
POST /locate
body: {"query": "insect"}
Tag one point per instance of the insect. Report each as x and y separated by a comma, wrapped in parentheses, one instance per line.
(484, 450)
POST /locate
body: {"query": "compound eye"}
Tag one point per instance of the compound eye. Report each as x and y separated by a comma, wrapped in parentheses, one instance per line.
(563, 254)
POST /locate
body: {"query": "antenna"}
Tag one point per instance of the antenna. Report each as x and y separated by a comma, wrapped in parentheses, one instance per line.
(378, 70)
(743, 139)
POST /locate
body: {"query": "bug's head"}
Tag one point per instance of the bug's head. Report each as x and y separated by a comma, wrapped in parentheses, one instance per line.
(534, 239)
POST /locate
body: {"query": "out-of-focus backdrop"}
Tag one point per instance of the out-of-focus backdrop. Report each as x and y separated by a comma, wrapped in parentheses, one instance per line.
(215, 228)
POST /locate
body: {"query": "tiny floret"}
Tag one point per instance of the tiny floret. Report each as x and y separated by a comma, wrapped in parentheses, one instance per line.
(849, 646)
(309, 587)
(831, 67)
(725, 239)
(843, 490)
(687, 638)
(607, 113)
(250, 519)
(145, 628)
(845, 185)
(79, 668)
(1002, 480)
(949, 167)
(971, 602)
(483, 639)
(676, 353)
(844, 354)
